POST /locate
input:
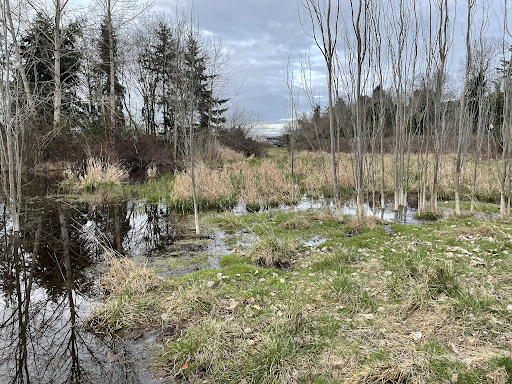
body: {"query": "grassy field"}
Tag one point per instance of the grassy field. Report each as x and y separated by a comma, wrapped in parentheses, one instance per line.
(368, 302)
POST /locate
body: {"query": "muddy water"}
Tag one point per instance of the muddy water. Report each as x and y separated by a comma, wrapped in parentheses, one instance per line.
(49, 286)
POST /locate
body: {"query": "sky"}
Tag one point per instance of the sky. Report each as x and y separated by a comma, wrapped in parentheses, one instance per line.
(260, 36)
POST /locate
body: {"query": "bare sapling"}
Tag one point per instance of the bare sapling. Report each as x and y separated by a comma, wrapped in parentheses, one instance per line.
(324, 16)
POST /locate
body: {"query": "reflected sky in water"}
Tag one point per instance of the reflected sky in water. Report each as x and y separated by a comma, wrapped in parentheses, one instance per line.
(48, 287)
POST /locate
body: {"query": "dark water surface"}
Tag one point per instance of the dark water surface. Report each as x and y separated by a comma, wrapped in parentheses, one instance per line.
(50, 286)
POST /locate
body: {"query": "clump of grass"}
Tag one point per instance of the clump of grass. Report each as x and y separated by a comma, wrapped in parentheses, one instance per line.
(188, 304)
(151, 171)
(367, 223)
(443, 280)
(206, 348)
(124, 276)
(129, 304)
(271, 251)
(230, 222)
(295, 223)
(429, 215)
(97, 172)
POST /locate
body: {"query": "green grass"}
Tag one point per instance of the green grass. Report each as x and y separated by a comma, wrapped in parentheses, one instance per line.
(346, 311)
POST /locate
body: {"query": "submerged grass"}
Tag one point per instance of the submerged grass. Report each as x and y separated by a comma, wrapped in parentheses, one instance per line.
(424, 303)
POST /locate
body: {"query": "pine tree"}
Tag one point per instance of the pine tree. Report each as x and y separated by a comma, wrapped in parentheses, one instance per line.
(38, 57)
(104, 68)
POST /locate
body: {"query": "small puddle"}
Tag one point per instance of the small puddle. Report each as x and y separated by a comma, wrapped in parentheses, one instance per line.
(315, 241)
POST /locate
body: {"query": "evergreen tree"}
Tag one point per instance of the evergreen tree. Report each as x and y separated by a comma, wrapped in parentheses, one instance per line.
(208, 108)
(38, 58)
(104, 68)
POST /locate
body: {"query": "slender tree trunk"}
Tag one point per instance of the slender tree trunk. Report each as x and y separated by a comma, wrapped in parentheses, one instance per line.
(112, 77)
(192, 175)
(21, 68)
(57, 99)
(464, 130)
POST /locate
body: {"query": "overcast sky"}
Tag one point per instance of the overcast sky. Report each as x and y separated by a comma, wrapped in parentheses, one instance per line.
(259, 35)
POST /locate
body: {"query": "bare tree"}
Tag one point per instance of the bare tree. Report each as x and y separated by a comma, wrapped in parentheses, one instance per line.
(443, 45)
(484, 53)
(357, 37)
(464, 126)
(13, 117)
(402, 44)
(13, 31)
(324, 18)
(506, 130)
(291, 107)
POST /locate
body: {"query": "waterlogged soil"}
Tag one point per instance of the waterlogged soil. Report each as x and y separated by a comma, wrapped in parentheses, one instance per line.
(64, 244)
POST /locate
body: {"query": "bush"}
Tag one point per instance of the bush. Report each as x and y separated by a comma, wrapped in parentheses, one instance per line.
(238, 139)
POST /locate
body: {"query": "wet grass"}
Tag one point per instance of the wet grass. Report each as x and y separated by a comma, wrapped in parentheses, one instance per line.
(372, 303)
(266, 182)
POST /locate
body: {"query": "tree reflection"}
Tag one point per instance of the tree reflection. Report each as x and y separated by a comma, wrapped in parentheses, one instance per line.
(46, 290)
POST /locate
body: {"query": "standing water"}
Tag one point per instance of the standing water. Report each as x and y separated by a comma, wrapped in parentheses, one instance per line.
(50, 287)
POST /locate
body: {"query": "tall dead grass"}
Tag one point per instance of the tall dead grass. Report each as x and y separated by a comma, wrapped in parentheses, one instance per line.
(97, 171)
(314, 168)
(213, 186)
(264, 182)
(124, 276)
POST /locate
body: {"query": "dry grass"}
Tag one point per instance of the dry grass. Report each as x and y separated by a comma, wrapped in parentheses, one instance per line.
(152, 171)
(130, 303)
(315, 168)
(271, 251)
(213, 186)
(124, 276)
(97, 171)
(261, 184)
(267, 182)
(227, 154)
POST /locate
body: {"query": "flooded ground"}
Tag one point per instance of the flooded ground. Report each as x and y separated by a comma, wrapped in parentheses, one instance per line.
(51, 285)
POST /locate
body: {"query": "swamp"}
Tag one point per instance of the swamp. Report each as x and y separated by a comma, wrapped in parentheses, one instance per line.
(112, 284)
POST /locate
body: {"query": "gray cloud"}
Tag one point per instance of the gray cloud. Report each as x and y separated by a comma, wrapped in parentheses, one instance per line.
(259, 34)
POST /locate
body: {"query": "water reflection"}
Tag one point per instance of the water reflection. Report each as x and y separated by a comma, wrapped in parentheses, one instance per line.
(47, 286)
(403, 215)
